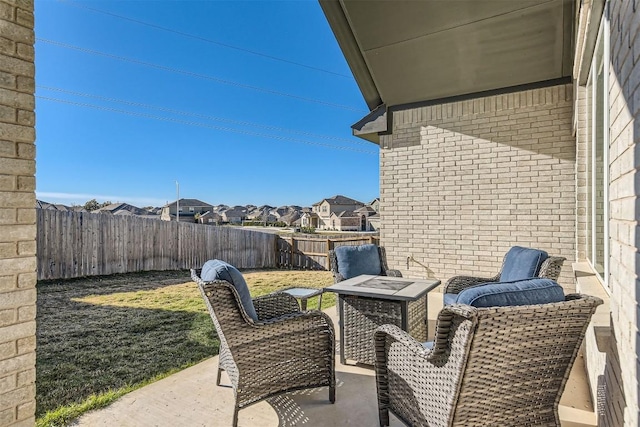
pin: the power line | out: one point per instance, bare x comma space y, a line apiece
202, 116
204, 39
204, 125
198, 75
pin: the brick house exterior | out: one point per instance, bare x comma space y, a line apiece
471, 168
17, 215
325, 209
464, 177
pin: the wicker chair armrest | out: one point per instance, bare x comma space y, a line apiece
275, 305
457, 284
550, 268
395, 334
277, 333
393, 273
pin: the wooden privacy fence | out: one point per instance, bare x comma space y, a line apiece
313, 252
76, 244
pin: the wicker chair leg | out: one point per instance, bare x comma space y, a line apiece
235, 416
219, 374
383, 415
332, 394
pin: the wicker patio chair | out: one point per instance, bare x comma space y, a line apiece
338, 276
498, 366
550, 269
284, 350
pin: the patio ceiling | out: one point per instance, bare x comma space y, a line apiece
402, 52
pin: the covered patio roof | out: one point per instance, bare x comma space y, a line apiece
404, 52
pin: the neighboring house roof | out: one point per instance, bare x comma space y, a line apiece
339, 200
291, 217
123, 209
220, 208
210, 214
345, 214
236, 211
367, 210
186, 203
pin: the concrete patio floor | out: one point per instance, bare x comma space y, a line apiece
191, 398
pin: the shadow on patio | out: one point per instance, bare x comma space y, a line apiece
191, 398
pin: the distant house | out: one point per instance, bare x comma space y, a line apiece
188, 209
333, 205
345, 221
209, 218
58, 207
291, 218
124, 209
366, 214
234, 215
375, 204
308, 218
262, 214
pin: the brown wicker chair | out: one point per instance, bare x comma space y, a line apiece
499, 366
385, 270
550, 269
286, 349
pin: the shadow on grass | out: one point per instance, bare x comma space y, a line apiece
86, 349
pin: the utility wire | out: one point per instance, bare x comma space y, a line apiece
204, 125
204, 39
192, 74
202, 116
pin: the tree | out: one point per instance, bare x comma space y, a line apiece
91, 205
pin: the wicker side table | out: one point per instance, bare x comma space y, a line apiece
364, 304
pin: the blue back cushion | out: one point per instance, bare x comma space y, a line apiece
219, 270
522, 263
522, 292
356, 260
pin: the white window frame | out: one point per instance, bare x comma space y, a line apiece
603, 37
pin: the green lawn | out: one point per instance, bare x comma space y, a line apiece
101, 337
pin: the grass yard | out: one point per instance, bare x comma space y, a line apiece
101, 337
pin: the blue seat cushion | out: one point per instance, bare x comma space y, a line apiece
449, 299
356, 260
522, 292
219, 270
522, 263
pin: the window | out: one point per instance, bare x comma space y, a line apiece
191, 209
598, 156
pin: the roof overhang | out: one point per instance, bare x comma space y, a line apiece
406, 52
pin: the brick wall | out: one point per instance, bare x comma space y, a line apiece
17, 215
624, 189
462, 182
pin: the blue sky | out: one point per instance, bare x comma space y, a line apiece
240, 102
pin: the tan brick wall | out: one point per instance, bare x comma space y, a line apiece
462, 182
624, 189
17, 215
